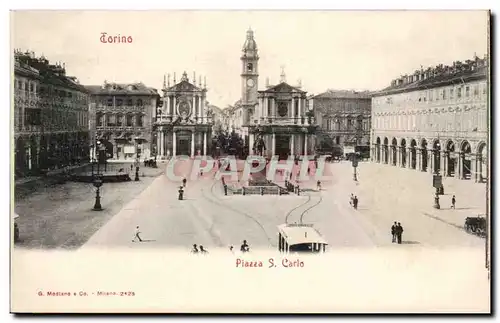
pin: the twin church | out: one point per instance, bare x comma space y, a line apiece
275, 121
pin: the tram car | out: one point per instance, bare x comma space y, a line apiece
476, 224
300, 238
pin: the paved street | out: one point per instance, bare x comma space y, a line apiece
60, 216
209, 218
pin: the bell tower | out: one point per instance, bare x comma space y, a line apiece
249, 71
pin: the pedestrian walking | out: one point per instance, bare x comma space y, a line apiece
453, 201
131, 167
351, 201
137, 235
202, 250
399, 232
231, 249
393, 231
355, 202
244, 247
195, 249
184, 180
318, 185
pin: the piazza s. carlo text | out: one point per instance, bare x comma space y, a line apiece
269, 263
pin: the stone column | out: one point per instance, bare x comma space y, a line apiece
192, 143
158, 142
273, 108
204, 143
251, 139
174, 106
174, 143
300, 107
430, 161
458, 166
293, 109
442, 163
292, 144
264, 107
408, 158
202, 110
419, 161
305, 144
273, 144
167, 108
195, 112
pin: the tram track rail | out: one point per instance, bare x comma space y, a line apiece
218, 202
304, 212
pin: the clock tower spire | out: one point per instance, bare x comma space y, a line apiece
249, 71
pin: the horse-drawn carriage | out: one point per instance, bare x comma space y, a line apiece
476, 225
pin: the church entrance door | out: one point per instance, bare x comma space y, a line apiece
282, 146
183, 143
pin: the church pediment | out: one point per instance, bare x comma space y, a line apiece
184, 86
283, 88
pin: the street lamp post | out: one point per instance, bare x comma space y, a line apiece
354, 166
97, 179
137, 159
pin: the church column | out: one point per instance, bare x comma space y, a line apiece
202, 109
293, 108
251, 137
305, 144
204, 143
300, 107
193, 105
266, 102
192, 143
167, 108
174, 144
174, 106
292, 144
260, 107
274, 144
273, 108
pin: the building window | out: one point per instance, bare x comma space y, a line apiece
119, 102
32, 88
111, 120
130, 120
431, 95
459, 92
444, 94
437, 95
119, 120
485, 86
129, 102
467, 91
250, 67
139, 102
110, 102
451, 93
139, 121
476, 90
337, 140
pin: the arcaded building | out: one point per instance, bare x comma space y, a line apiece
50, 116
183, 123
435, 120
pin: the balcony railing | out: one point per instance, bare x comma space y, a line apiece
301, 121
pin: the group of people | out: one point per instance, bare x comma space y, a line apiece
354, 201
397, 232
200, 250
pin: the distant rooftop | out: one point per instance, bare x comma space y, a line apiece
343, 94
440, 75
28, 64
121, 89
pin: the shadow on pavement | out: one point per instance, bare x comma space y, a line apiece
410, 242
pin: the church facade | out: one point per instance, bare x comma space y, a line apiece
277, 120
183, 124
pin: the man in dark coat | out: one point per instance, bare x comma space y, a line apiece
393, 232
399, 232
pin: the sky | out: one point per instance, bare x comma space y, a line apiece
343, 50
